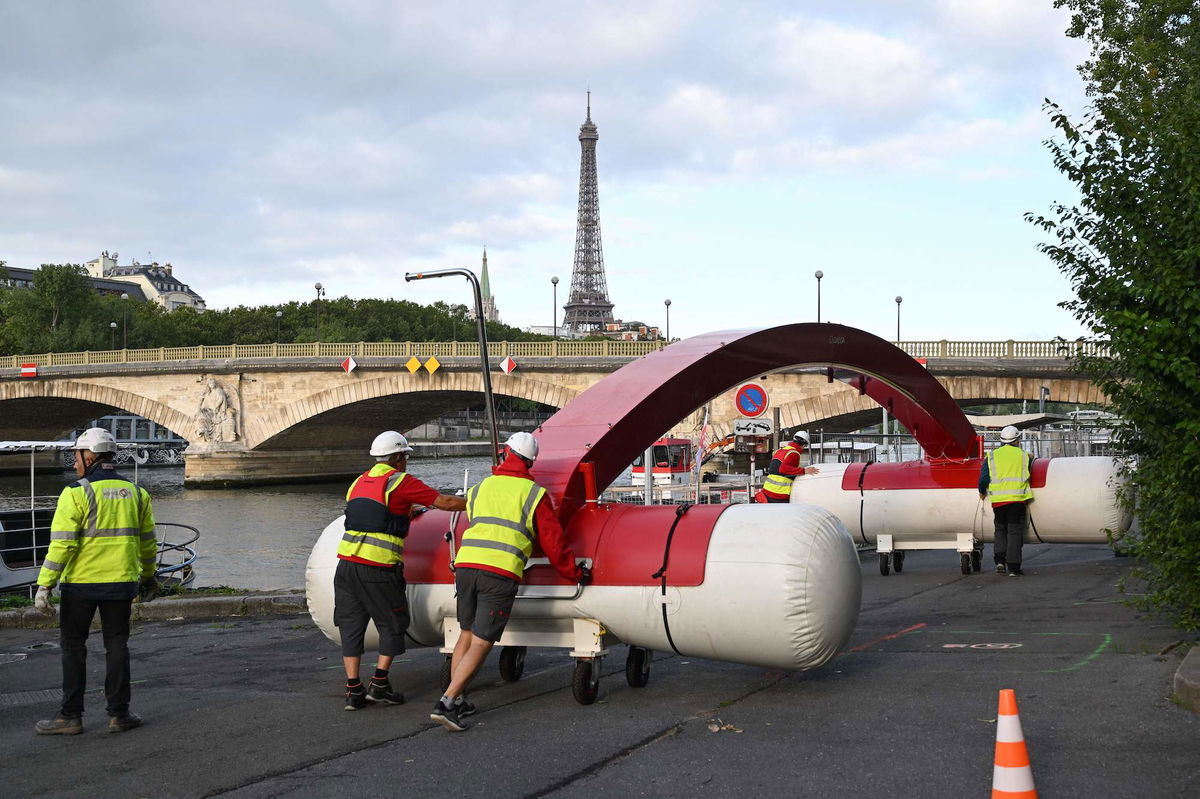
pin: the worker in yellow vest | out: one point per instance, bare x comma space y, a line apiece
784, 469
508, 512
368, 584
1004, 478
102, 546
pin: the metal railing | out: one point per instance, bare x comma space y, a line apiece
500, 349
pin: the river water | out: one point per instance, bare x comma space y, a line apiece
253, 538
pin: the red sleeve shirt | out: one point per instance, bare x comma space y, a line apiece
552, 540
789, 464
410, 491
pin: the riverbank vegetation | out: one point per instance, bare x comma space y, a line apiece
62, 313
1131, 249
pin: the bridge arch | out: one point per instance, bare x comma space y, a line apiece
850, 410
350, 415
44, 409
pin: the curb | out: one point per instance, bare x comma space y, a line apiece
1187, 681
166, 609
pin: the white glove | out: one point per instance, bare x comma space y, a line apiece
42, 600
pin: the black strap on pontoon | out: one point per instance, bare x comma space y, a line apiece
862, 501
661, 574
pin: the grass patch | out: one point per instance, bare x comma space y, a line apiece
216, 590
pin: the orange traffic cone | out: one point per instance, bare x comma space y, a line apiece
1012, 777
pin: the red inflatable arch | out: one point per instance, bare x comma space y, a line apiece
619, 417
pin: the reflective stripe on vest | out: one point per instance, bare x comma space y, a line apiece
103, 542
501, 533
372, 531
1008, 475
781, 484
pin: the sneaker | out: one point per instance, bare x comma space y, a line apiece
124, 722
1015, 571
464, 708
1001, 568
60, 726
382, 692
356, 698
447, 717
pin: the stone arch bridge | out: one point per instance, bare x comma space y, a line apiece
267, 413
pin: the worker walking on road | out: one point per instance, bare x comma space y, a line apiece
1004, 477
508, 512
102, 546
784, 469
368, 584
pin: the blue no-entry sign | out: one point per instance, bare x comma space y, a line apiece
751, 400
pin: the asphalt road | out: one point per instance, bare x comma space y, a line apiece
253, 708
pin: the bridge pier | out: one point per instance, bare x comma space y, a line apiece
227, 468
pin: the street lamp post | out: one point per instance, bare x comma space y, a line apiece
112, 335
818, 275
668, 304
899, 300
278, 325
124, 321
554, 305
320, 293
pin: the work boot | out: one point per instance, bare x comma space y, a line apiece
124, 722
464, 708
447, 717
1000, 568
382, 692
356, 698
60, 725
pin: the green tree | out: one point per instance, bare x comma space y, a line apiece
1131, 249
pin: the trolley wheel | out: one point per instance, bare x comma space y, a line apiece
637, 667
445, 675
976, 559
965, 562
898, 561
512, 663
585, 682
885, 563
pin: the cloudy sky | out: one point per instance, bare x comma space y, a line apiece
263, 146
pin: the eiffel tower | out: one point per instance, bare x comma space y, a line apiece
588, 308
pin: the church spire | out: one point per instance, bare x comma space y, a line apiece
485, 285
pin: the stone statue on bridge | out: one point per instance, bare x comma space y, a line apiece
216, 419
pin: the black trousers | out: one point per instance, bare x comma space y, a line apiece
74, 618
363, 593
1011, 522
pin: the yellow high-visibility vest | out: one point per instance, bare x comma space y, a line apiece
372, 531
781, 484
102, 532
1008, 474
501, 533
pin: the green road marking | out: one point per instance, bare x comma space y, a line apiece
1076, 666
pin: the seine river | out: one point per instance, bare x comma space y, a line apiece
255, 538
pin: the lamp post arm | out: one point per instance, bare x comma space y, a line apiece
485, 365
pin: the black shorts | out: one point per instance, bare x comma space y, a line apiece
363, 593
485, 601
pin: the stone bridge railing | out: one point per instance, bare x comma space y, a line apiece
518, 349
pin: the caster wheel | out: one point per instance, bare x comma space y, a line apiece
512, 663
976, 560
637, 667
885, 564
585, 682
445, 674
898, 562
965, 563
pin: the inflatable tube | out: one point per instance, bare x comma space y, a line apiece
1075, 500
780, 588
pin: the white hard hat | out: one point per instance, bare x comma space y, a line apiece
389, 443
1009, 434
802, 435
96, 439
524, 444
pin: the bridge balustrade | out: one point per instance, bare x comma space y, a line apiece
517, 349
